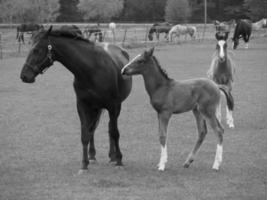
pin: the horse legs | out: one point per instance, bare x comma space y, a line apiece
163, 119
229, 117
219, 110
246, 40
202, 131
217, 128
89, 118
114, 135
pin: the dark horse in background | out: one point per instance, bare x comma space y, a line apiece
243, 30
158, 28
95, 30
98, 83
27, 28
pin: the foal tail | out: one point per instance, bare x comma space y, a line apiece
228, 95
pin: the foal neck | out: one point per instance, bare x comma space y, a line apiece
155, 77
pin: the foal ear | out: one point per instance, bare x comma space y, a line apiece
149, 52
226, 36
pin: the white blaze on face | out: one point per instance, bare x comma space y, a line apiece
221, 52
122, 70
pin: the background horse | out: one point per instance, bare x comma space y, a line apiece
158, 28
179, 30
168, 97
95, 30
221, 72
29, 28
224, 26
242, 30
259, 24
98, 83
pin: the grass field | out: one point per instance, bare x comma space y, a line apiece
40, 149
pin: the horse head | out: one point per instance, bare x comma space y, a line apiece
221, 46
40, 57
138, 64
221, 35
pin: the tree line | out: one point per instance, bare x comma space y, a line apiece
176, 11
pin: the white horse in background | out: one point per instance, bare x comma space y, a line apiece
112, 28
259, 24
179, 30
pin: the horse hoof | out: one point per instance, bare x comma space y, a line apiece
92, 161
119, 167
186, 165
82, 171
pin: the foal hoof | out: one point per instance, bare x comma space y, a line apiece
82, 171
187, 163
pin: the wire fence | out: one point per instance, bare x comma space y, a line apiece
125, 35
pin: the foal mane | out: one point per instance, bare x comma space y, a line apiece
163, 71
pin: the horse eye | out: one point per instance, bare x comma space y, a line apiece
140, 61
36, 51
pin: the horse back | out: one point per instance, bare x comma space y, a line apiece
243, 27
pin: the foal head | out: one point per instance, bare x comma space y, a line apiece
139, 64
221, 46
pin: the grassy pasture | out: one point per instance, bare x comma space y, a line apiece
40, 149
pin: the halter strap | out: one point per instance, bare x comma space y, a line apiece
49, 57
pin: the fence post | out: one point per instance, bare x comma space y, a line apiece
1, 48
124, 36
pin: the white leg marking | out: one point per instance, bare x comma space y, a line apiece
218, 157
246, 46
163, 158
229, 118
219, 112
122, 70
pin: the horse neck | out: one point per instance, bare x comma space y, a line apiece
70, 55
154, 78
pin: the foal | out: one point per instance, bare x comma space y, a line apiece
221, 72
168, 97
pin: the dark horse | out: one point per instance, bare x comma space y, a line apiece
243, 30
158, 28
95, 30
29, 28
168, 96
98, 83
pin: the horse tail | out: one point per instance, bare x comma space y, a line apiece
228, 95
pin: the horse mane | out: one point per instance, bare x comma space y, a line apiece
163, 71
71, 32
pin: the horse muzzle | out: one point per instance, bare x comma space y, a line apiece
27, 79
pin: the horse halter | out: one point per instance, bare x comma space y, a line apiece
49, 57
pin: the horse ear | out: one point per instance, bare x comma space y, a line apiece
217, 36
226, 36
149, 52
49, 30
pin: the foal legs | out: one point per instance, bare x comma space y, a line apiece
216, 126
163, 119
229, 118
202, 131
